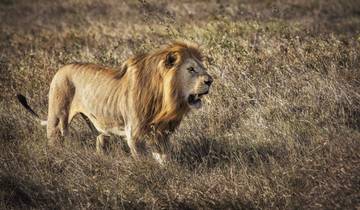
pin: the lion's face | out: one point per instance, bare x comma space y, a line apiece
195, 81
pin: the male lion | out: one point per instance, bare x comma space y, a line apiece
144, 101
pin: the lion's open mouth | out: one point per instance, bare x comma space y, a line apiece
194, 100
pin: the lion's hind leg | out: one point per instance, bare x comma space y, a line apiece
57, 127
60, 97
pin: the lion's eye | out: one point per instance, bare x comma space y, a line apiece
191, 69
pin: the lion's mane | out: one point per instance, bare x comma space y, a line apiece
156, 87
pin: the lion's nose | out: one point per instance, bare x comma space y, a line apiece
208, 80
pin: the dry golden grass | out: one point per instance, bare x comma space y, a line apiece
280, 129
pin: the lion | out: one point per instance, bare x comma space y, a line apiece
144, 101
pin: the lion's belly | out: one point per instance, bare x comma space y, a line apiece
108, 126
119, 131
105, 121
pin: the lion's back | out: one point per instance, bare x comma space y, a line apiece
86, 73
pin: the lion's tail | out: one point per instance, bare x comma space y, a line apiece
23, 101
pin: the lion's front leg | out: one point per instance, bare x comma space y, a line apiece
161, 158
135, 142
161, 149
102, 144
137, 147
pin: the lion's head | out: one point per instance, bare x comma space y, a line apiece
169, 82
183, 63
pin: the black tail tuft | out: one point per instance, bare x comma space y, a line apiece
23, 101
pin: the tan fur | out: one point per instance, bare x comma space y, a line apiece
144, 101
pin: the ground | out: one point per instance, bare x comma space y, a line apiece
279, 130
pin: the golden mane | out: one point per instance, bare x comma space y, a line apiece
156, 89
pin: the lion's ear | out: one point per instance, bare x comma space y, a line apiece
170, 60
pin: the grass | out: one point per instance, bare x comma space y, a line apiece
280, 129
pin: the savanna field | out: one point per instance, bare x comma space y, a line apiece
280, 128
